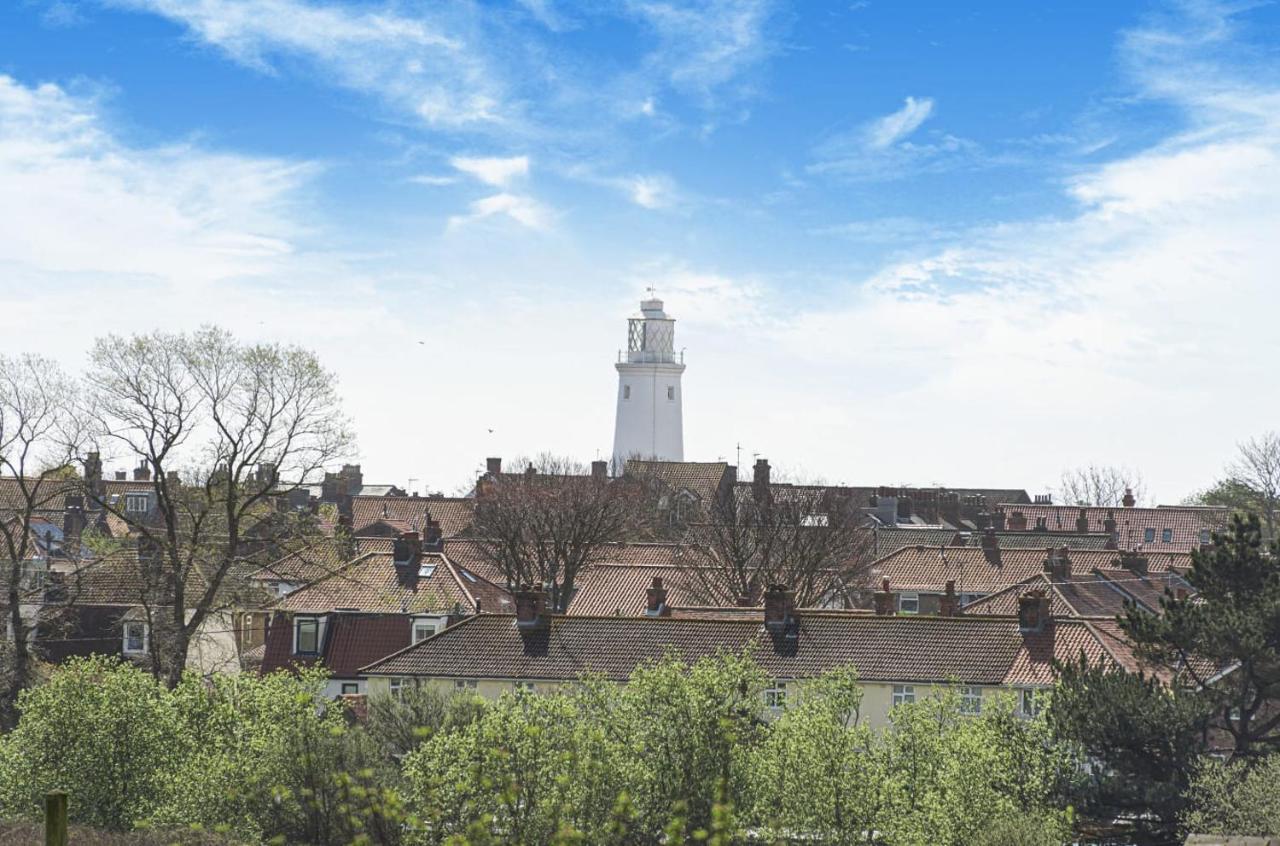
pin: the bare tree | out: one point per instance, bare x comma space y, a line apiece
1257, 470
1101, 485
809, 538
224, 431
549, 523
39, 438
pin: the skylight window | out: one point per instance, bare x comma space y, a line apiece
425, 571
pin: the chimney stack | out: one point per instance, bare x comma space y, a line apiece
884, 600
779, 605
407, 548
997, 520
531, 608
982, 520
989, 539
493, 466
949, 603
1017, 522
433, 537
1135, 562
142, 473
1057, 564
1033, 611
656, 599
1082, 522
600, 470
1129, 501
121, 476
760, 480
73, 524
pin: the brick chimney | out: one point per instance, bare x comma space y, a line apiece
1082, 522
1134, 562
1057, 564
884, 600
949, 603
121, 476
73, 524
93, 476
142, 473
600, 470
1128, 501
1033, 611
655, 599
531, 608
989, 539
997, 520
407, 548
493, 466
760, 480
982, 520
1017, 522
1042, 524
433, 536
779, 608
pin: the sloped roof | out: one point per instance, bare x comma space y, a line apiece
983, 650
1040, 540
886, 540
703, 478
350, 642
1185, 522
452, 513
1100, 593
977, 570
303, 566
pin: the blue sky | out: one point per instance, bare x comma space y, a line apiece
966, 244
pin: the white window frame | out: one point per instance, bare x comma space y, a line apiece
436, 625
775, 696
971, 700
904, 598
1030, 701
461, 685
131, 498
344, 685
526, 686
1166, 536
904, 694
395, 687
124, 637
1149, 535
297, 626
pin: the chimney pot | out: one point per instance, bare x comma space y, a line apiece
600, 470
949, 603
1033, 611
531, 608
407, 548
493, 466
1129, 501
433, 538
142, 473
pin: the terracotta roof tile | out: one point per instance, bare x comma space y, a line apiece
984, 650
703, 478
453, 514
1184, 524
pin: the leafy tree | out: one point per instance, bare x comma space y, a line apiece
1236, 798
99, 729
224, 430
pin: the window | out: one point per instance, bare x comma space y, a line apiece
463, 685
426, 571
1030, 702
306, 636
903, 694
425, 627
526, 686
135, 638
971, 700
396, 687
909, 603
350, 688
1205, 536
1148, 535
966, 598
626, 392
671, 392
1166, 535
775, 697
136, 503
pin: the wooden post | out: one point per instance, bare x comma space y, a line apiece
55, 818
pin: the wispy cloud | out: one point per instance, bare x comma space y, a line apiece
890, 129
430, 67
705, 44
525, 211
78, 200
496, 171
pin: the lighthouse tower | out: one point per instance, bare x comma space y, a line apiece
649, 422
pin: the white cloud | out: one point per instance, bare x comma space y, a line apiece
428, 66
498, 172
704, 45
526, 211
890, 129
74, 199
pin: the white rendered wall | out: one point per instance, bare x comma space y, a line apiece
648, 424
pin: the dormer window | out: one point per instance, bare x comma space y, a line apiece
134, 641
425, 627
1166, 535
137, 503
908, 603
1148, 535
306, 636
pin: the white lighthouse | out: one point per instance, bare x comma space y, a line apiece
649, 422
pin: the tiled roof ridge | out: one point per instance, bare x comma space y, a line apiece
1118, 509
341, 571
319, 544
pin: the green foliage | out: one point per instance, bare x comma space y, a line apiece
99, 729
1237, 798
1022, 831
